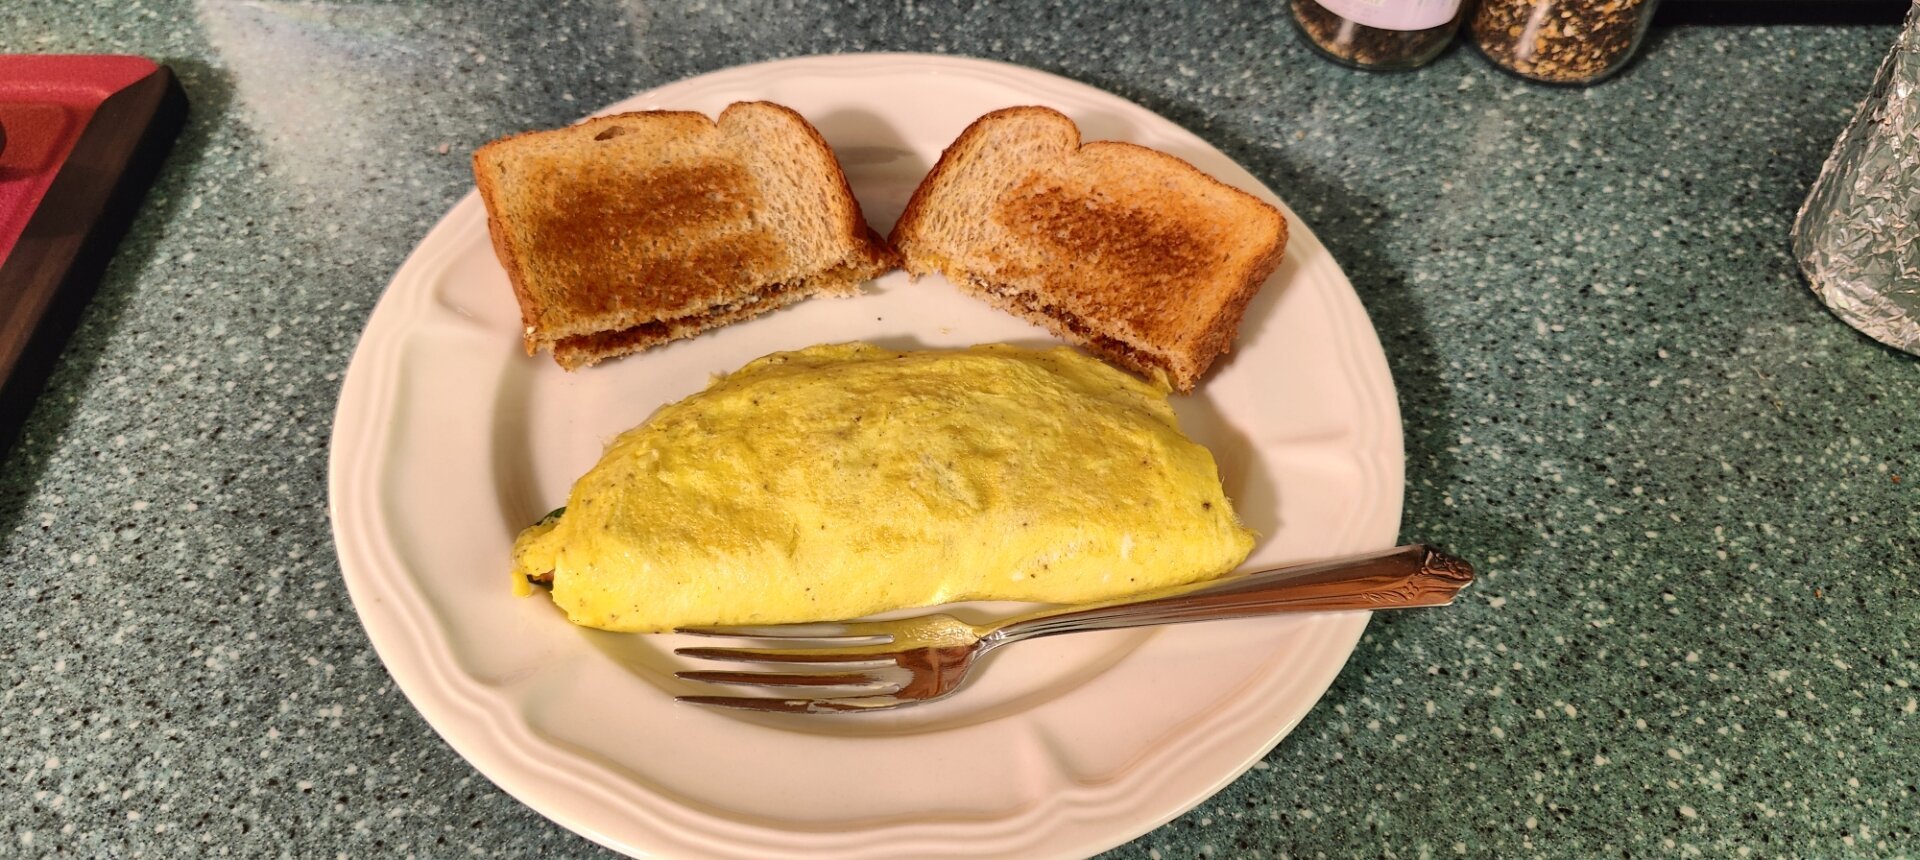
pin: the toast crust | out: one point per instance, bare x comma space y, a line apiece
1128, 251
687, 215
844, 281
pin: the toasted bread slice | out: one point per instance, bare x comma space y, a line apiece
630, 230
1128, 251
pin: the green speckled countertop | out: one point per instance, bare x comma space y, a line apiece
1698, 631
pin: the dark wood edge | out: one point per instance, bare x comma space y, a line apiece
56, 265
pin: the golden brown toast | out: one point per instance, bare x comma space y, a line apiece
1128, 251
630, 230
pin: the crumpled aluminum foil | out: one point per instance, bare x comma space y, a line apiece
1858, 233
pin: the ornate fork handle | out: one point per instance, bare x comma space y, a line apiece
1401, 578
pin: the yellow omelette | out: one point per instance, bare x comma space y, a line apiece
839, 481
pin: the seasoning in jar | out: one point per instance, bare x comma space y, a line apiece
1378, 34
1561, 41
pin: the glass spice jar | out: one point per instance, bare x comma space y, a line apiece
1378, 34
1561, 41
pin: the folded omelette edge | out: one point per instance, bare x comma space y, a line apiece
843, 480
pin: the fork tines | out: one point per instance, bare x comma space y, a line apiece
850, 704
783, 679
842, 630
864, 684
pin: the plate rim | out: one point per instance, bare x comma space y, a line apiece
373, 603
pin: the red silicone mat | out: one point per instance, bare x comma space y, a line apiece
45, 102
81, 137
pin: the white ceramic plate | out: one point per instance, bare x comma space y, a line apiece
448, 440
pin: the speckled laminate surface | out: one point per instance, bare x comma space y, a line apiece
1689, 487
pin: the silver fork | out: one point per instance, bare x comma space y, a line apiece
880, 665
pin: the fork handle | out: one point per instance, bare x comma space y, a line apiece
1401, 578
